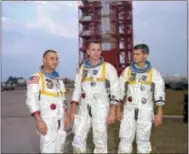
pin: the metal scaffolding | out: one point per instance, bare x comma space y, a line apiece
111, 23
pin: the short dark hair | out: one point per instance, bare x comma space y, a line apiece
93, 41
144, 48
48, 51
45, 53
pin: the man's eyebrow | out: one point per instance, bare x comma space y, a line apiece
54, 57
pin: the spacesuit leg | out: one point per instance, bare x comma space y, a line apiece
100, 137
48, 142
99, 127
61, 137
127, 132
144, 125
81, 128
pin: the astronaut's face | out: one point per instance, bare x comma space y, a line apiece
94, 51
139, 56
51, 60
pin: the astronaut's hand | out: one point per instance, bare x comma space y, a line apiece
72, 114
111, 115
73, 111
66, 120
158, 119
111, 118
42, 127
118, 114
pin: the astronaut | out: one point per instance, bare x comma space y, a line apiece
141, 86
96, 106
46, 102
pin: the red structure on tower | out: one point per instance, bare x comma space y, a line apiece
111, 23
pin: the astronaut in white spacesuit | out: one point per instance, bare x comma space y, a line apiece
96, 94
141, 86
46, 102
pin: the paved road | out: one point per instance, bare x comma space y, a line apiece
18, 127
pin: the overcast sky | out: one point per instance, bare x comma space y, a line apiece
29, 28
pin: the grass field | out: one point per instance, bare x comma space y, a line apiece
174, 102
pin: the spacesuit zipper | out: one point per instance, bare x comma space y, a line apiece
136, 114
89, 110
138, 102
58, 124
39, 97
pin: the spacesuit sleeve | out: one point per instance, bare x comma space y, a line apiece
122, 83
77, 87
32, 94
114, 84
64, 100
159, 89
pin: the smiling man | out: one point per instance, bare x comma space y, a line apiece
96, 105
46, 102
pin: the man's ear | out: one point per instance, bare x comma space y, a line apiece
88, 51
44, 60
145, 55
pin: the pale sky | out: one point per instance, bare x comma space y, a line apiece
30, 28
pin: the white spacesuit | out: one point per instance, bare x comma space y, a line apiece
139, 89
91, 86
46, 95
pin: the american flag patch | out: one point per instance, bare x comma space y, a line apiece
33, 80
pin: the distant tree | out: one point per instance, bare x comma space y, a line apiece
13, 80
67, 80
9, 78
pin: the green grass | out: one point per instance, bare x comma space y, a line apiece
174, 102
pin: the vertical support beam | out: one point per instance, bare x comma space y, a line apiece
112, 56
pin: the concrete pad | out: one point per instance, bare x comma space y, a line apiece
18, 127
19, 135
